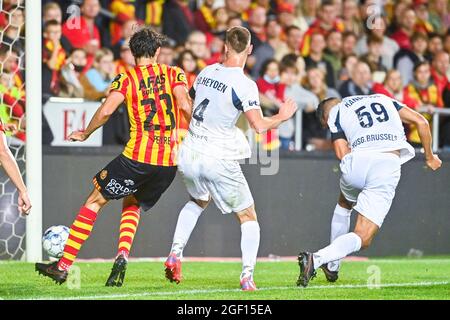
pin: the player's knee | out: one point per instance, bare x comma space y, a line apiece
366, 238
201, 203
247, 215
96, 199
344, 203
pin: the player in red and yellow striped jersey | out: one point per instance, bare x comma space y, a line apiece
155, 96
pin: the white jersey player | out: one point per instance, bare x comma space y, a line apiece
208, 157
369, 139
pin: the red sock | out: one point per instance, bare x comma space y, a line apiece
128, 228
79, 232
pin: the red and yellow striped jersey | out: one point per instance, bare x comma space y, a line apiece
153, 113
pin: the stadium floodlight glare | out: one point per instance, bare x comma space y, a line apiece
33, 53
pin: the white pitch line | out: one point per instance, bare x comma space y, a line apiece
192, 292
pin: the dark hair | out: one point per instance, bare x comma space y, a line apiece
181, 57
145, 42
326, 3
289, 59
347, 34
290, 28
373, 38
419, 35
51, 23
265, 66
238, 38
321, 107
419, 64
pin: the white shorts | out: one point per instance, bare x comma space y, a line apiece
370, 179
222, 180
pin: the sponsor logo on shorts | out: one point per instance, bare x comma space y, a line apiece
129, 182
116, 188
103, 174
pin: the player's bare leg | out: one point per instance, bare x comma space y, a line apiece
340, 225
186, 223
360, 238
249, 246
128, 227
79, 232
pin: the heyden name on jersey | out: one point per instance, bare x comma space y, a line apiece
370, 124
221, 95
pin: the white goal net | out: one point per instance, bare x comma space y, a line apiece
12, 110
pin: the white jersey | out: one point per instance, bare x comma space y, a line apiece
370, 123
221, 95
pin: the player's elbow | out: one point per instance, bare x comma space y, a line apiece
422, 122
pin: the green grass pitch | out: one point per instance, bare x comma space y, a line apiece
427, 278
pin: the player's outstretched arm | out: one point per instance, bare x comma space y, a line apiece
410, 116
100, 117
260, 124
183, 101
12, 170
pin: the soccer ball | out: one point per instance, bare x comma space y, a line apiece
54, 240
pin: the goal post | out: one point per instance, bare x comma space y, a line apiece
33, 58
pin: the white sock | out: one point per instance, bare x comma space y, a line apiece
186, 223
340, 225
249, 247
338, 249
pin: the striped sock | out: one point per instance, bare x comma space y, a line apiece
79, 232
128, 227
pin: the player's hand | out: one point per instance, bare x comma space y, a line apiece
434, 162
287, 109
24, 203
11, 127
78, 136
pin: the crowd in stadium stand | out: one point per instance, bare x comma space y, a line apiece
302, 49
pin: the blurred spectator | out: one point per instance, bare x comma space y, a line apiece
389, 46
197, 43
221, 20
435, 44
166, 54
305, 99
348, 63
234, 21
405, 59
315, 58
439, 69
204, 17
70, 86
309, 10
292, 44
422, 92
96, 82
188, 63
392, 85
406, 29
126, 60
373, 58
267, 49
271, 95
177, 11
12, 105
326, 21
314, 136
238, 8
351, 19
127, 30
257, 26
9, 61
123, 11
360, 82
51, 11
348, 43
333, 52
286, 15
439, 15
422, 24
53, 58
13, 34
86, 35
